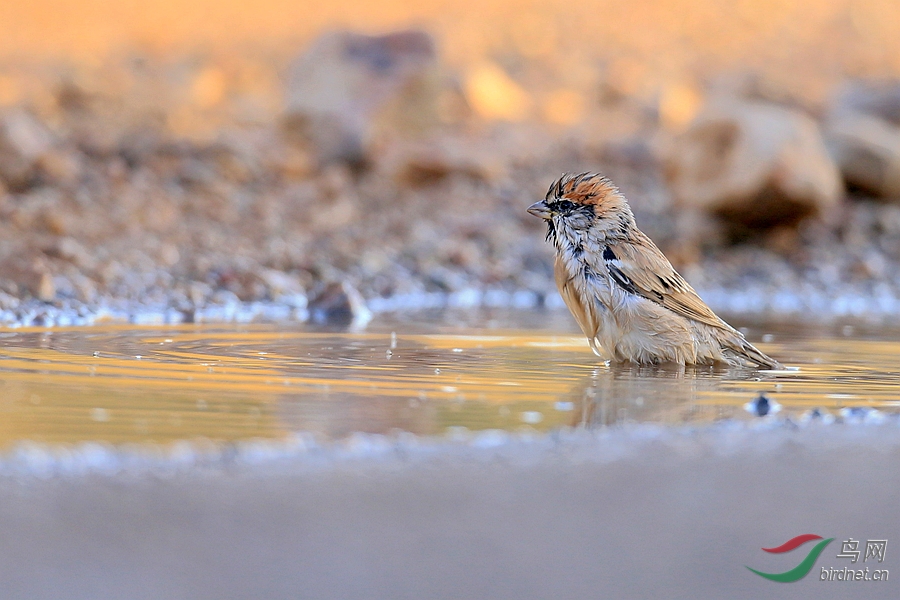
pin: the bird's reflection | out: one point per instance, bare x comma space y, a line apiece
627, 392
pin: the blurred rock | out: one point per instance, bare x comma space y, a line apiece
85, 287
876, 98
31, 274
348, 89
339, 303
59, 167
679, 103
198, 292
284, 288
245, 283
8, 302
23, 142
863, 134
753, 165
867, 150
423, 163
493, 94
71, 250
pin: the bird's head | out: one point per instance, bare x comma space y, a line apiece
584, 204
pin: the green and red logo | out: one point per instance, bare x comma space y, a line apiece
805, 566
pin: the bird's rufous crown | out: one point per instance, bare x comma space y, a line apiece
583, 188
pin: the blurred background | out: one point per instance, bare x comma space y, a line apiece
202, 153
200, 160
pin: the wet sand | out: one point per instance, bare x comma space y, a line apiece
617, 513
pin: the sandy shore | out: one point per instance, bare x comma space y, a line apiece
618, 513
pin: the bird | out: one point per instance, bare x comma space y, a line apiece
629, 301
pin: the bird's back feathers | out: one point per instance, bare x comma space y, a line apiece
652, 276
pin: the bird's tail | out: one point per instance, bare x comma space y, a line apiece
748, 351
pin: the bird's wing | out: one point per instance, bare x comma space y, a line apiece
639, 267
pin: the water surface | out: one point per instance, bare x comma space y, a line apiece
426, 375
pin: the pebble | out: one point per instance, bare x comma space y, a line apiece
762, 405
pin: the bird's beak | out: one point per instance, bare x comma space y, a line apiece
540, 209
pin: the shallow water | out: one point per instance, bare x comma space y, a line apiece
431, 374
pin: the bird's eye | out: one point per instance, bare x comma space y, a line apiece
565, 206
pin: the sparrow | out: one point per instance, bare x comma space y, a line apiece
624, 293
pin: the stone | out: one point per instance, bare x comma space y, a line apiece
348, 90
422, 163
31, 274
24, 140
867, 150
339, 304
72, 250
46, 287
863, 135
8, 301
58, 167
753, 166
283, 287
879, 99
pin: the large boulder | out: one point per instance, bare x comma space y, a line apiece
863, 135
349, 89
753, 165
